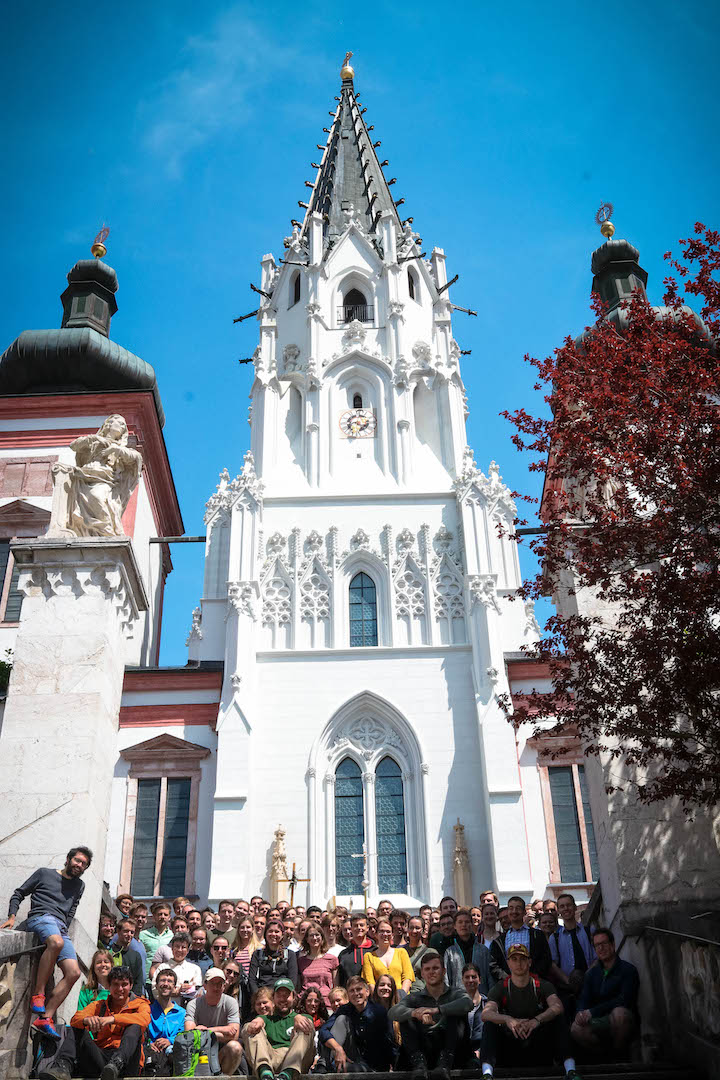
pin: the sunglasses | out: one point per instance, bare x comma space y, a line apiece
221, 948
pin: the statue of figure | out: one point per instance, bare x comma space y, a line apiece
278, 871
461, 867
90, 497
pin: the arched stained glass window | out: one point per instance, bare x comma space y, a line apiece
390, 826
349, 828
363, 611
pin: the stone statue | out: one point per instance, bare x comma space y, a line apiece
278, 871
461, 868
90, 497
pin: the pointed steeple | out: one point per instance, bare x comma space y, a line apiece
350, 175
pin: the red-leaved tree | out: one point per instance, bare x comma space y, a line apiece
630, 546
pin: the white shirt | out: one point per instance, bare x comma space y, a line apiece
186, 972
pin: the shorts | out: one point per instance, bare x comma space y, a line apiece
46, 925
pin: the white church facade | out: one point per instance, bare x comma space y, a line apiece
358, 622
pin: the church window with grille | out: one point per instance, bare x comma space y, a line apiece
161, 836
349, 828
363, 611
390, 828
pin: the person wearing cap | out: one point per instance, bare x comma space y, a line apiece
523, 1020
217, 1011
282, 1044
433, 1022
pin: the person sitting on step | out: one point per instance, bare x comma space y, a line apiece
167, 1021
109, 1034
433, 1021
523, 1020
358, 1037
281, 1044
607, 1006
216, 1011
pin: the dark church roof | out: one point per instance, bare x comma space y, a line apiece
80, 355
350, 172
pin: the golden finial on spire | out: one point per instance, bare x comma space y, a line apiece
602, 218
346, 72
98, 248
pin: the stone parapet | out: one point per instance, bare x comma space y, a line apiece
18, 961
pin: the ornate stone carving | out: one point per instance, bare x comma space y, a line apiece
291, 358
368, 736
402, 372
422, 353
483, 591
277, 601
242, 596
196, 628
493, 675
396, 309
448, 590
442, 540
461, 867
230, 491
313, 309
313, 542
236, 681
405, 542
278, 869
410, 592
100, 579
489, 490
90, 497
424, 768
276, 545
360, 541
315, 597
355, 334
532, 626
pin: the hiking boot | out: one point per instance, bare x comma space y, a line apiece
418, 1064
441, 1071
114, 1068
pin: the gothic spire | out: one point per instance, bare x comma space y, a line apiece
350, 174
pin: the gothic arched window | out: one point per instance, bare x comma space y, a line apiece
349, 828
412, 285
390, 828
357, 401
295, 286
355, 306
363, 611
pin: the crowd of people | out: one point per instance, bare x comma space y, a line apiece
279, 991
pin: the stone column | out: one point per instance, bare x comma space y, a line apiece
58, 741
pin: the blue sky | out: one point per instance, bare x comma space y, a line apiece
189, 129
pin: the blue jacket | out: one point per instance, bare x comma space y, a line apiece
602, 991
372, 1033
165, 1025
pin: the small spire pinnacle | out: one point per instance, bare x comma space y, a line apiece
98, 248
347, 73
602, 218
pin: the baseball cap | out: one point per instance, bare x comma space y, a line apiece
286, 983
214, 973
519, 950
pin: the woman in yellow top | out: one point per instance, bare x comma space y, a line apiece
386, 960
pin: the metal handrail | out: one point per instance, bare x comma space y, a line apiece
678, 933
362, 312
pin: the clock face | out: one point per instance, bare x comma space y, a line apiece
358, 424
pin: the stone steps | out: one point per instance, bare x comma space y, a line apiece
624, 1070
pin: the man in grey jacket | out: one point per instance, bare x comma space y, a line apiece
433, 1021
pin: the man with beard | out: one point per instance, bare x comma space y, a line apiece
55, 897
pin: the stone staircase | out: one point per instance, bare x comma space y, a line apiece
617, 1071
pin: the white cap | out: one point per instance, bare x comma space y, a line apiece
214, 973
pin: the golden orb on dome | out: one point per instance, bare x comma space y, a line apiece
346, 71
98, 248
607, 229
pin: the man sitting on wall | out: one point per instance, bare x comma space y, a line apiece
607, 1006
55, 897
433, 1021
523, 1021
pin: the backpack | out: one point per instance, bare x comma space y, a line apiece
506, 991
47, 1050
189, 1047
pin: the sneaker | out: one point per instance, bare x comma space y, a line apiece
37, 1004
419, 1067
46, 1026
59, 1071
572, 1074
266, 1073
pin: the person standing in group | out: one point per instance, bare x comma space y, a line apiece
97, 986
316, 966
388, 960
